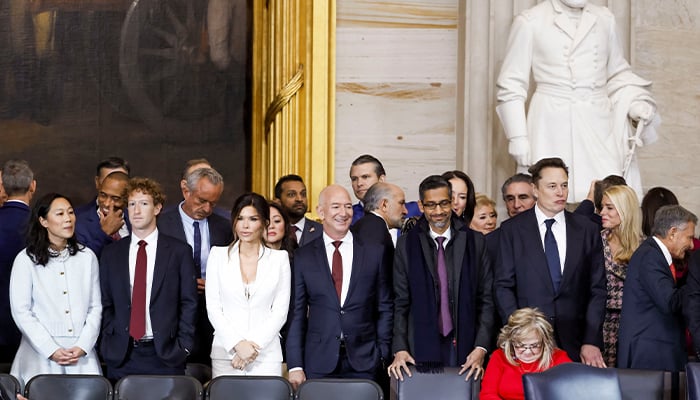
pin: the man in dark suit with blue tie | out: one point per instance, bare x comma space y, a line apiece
652, 329
342, 309
443, 283
149, 294
195, 223
552, 259
290, 191
19, 184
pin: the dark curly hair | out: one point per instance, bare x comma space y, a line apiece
38, 237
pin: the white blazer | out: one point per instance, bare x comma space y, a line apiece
257, 317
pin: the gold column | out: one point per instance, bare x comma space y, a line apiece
293, 93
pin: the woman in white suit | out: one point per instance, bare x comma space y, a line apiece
55, 296
248, 291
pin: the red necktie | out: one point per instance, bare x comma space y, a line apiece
673, 272
337, 269
137, 324
295, 229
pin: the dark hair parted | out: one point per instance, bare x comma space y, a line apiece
370, 159
259, 203
654, 199
283, 180
289, 242
112, 163
434, 182
38, 244
519, 177
146, 186
471, 195
553, 162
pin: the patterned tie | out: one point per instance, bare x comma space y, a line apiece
551, 251
137, 323
337, 269
445, 317
295, 229
197, 254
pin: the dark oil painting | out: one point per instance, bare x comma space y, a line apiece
157, 82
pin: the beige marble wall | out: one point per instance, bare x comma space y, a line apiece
415, 87
396, 79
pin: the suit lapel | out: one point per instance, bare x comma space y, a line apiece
358, 253
562, 21
123, 277
588, 20
160, 267
428, 247
325, 270
530, 231
574, 248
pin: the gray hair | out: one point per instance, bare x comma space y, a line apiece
672, 216
210, 173
17, 177
375, 194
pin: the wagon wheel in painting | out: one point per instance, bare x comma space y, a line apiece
165, 66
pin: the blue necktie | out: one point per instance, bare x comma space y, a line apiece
551, 251
197, 255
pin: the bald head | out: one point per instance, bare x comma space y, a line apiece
335, 210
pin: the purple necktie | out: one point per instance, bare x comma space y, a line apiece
445, 319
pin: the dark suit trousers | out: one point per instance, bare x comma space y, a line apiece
344, 370
448, 352
142, 360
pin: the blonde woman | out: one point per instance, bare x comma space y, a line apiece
248, 291
622, 233
485, 215
525, 345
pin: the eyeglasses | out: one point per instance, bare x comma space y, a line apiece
443, 205
534, 347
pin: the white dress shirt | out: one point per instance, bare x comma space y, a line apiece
345, 250
558, 229
187, 224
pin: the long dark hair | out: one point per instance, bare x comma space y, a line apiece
258, 203
655, 198
471, 195
38, 237
289, 243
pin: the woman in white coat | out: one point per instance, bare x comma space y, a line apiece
55, 296
248, 291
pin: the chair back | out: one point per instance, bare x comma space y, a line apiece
641, 384
74, 387
9, 386
692, 377
573, 381
249, 388
445, 386
339, 389
201, 372
158, 387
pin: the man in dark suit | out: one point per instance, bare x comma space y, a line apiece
96, 228
341, 320
149, 294
365, 171
385, 204
195, 223
552, 259
443, 283
290, 191
104, 168
652, 330
19, 184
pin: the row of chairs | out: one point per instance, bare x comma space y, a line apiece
568, 381
183, 387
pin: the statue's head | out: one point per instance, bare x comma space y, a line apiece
575, 3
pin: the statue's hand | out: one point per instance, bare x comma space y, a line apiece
641, 110
519, 149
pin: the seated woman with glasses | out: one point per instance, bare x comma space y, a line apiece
526, 344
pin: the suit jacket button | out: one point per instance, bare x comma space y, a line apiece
342, 312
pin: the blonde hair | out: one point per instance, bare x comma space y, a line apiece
629, 232
484, 200
522, 323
